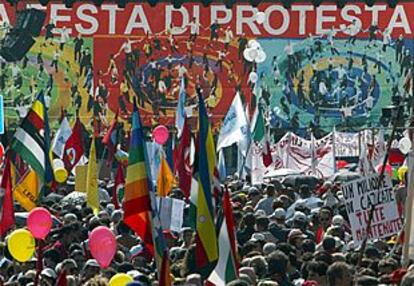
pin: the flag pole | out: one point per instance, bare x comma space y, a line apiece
334, 148
381, 177
39, 261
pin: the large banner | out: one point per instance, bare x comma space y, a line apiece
312, 157
347, 144
360, 196
324, 66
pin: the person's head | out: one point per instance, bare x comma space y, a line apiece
277, 263
254, 195
187, 235
296, 238
339, 274
325, 217
262, 223
299, 220
387, 265
279, 216
116, 216
259, 265
329, 244
90, 269
69, 218
193, 280
69, 266
51, 258
249, 220
408, 279
268, 248
270, 190
316, 270
238, 282
48, 277
249, 271
78, 257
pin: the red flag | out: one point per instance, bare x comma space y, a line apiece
74, 147
6, 201
183, 168
231, 229
110, 139
118, 189
267, 155
61, 280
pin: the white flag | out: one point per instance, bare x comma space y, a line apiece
235, 128
62, 135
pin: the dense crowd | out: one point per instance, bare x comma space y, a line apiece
282, 239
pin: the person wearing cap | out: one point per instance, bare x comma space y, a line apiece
266, 203
300, 221
277, 226
262, 227
246, 228
295, 239
254, 196
78, 256
90, 270
48, 277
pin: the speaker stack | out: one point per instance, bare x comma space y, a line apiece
19, 39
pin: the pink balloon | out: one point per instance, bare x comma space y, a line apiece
39, 222
102, 244
160, 134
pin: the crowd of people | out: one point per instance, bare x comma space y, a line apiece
281, 240
281, 237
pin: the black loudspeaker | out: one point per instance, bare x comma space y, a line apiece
30, 21
15, 45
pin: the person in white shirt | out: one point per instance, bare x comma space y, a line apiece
55, 60
182, 70
353, 30
194, 29
64, 37
220, 60
386, 39
228, 37
323, 90
369, 102
347, 111
330, 37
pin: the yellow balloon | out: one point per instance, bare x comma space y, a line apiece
60, 175
120, 279
401, 172
21, 245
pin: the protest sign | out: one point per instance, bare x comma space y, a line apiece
360, 195
171, 212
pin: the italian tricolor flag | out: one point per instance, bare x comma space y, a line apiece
227, 266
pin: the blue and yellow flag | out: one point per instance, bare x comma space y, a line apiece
206, 238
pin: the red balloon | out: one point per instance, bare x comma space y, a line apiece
39, 222
160, 134
102, 244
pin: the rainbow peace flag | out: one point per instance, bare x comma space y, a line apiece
140, 210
